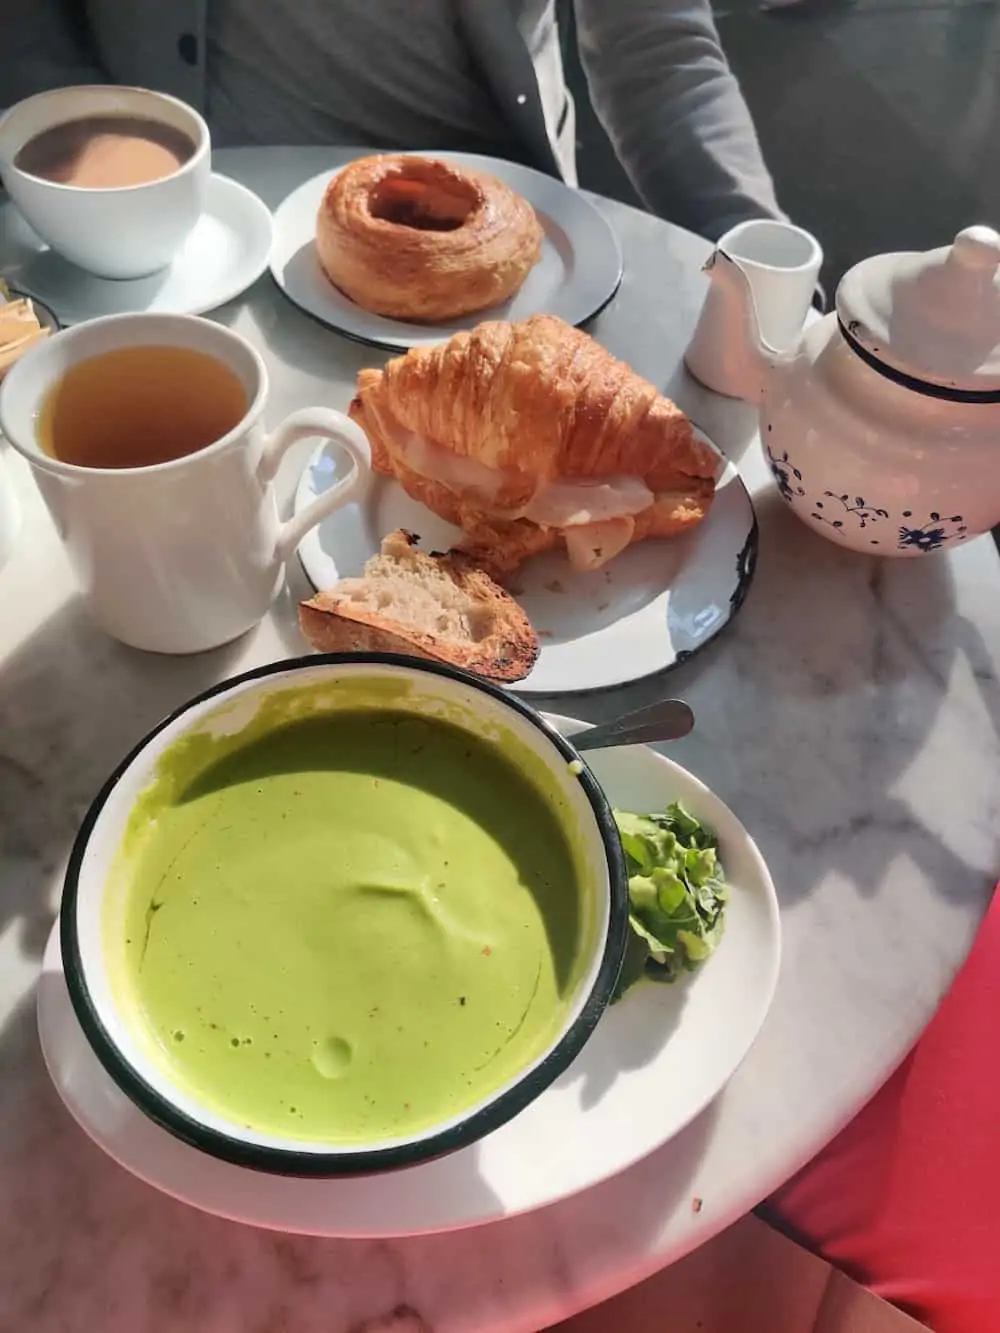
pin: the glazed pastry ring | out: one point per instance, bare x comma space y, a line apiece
417, 239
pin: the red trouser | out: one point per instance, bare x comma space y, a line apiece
907, 1198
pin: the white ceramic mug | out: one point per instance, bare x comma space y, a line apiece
181, 556
782, 264
127, 232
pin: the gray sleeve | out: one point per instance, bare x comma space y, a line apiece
43, 45
665, 94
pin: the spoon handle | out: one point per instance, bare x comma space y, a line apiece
668, 720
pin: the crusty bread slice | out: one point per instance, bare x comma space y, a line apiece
436, 606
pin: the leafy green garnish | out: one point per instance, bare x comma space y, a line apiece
677, 891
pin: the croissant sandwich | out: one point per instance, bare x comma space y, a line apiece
532, 435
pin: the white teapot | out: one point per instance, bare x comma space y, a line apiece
882, 426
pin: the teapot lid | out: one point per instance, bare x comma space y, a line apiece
930, 321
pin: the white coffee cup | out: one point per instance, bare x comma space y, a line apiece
782, 264
127, 232
181, 556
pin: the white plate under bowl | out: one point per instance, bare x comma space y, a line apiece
579, 271
656, 1060
649, 609
227, 252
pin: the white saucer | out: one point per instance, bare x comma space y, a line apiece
649, 609
227, 252
579, 271
655, 1061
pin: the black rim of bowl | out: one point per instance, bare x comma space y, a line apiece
289, 1161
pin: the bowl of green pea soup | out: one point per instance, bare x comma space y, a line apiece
342, 914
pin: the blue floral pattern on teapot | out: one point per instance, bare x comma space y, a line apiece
909, 533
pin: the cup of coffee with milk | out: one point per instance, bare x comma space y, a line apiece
113, 179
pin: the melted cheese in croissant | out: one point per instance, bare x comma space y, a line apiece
555, 504
532, 435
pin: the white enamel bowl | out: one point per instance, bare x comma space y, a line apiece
90, 902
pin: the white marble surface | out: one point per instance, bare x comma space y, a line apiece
850, 717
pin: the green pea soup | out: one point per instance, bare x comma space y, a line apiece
347, 924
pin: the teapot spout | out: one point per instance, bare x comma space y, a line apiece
727, 353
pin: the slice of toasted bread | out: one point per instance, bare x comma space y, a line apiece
436, 606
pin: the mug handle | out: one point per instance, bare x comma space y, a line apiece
301, 425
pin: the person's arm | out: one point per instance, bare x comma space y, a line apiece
43, 45
665, 94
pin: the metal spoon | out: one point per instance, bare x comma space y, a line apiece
668, 720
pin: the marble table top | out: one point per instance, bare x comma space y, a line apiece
850, 717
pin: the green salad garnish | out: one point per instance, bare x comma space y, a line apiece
677, 893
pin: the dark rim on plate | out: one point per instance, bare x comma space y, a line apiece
401, 348
292, 1162
479, 162
51, 319
746, 569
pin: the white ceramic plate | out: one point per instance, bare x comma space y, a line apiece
579, 271
649, 609
227, 252
655, 1061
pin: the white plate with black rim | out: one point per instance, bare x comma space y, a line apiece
655, 1061
579, 271
651, 608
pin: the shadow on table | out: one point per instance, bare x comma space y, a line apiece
855, 661
725, 421
303, 343
285, 610
818, 700
73, 702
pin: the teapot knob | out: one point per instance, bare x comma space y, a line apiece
976, 248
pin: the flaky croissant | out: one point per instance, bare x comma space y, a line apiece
529, 435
